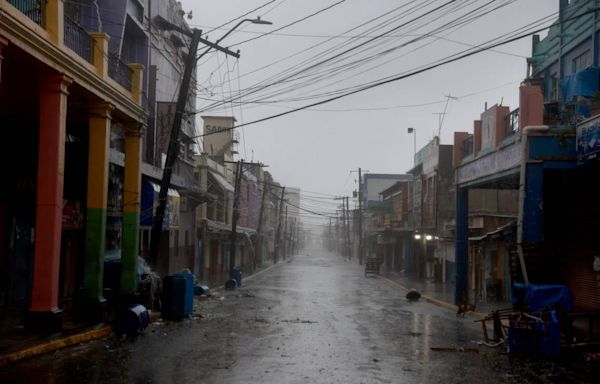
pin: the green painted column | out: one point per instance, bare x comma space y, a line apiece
131, 209
97, 194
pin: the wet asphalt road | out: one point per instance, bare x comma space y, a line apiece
313, 319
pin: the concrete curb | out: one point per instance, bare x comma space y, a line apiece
430, 299
54, 345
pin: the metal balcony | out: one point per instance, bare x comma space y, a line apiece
78, 40
119, 71
34, 9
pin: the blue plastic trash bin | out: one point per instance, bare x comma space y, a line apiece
174, 297
236, 274
189, 293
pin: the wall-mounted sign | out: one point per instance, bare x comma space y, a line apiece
492, 163
588, 139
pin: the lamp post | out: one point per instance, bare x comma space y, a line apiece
173, 148
253, 21
414, 132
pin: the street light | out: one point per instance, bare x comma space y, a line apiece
417, 237
414, 132
428, 237
253, 21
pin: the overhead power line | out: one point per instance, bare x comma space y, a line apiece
290, 24
450, 59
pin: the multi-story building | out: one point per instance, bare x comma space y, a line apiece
71, 98
532, 150
392, 226
432, 215
373, 184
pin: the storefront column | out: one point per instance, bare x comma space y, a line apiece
131, 209
44, 312
97, 196
462, 246
533, 213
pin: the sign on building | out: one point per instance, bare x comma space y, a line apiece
588, 139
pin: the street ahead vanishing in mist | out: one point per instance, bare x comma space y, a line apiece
313, 319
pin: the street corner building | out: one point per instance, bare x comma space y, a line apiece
85, 119
525, 177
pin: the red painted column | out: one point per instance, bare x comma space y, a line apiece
44, 311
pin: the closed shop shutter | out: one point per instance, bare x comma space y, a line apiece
583, 283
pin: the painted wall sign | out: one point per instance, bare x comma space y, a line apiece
588, 139
494, 162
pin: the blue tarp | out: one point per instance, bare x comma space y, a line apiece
537, 298
583, 83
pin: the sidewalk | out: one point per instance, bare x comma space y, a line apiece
17, 344
441, 294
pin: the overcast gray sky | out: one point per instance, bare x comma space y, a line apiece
315, 149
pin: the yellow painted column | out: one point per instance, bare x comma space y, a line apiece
131, 208
55, 20
100, 56
97, 197
137, 81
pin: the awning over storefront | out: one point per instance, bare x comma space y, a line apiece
225, 229
149, 199
495, 233
221, 181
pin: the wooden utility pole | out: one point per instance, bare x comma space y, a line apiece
285, 233
236, 213
294, 239
236, 210
348, 245
360, 214
259, 239
278, 233
330, 234
173, 148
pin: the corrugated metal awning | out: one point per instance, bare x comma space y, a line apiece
223, 183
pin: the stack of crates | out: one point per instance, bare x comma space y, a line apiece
178, 296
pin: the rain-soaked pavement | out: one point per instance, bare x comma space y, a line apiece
313, 319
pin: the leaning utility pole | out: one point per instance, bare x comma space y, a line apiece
278, 233
173, 148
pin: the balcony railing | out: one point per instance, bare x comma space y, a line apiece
119, 71
30, 8
79, 40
